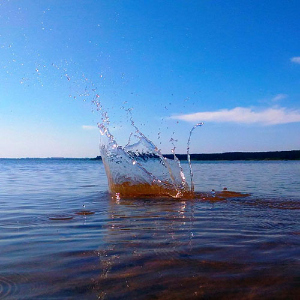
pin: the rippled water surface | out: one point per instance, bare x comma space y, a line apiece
62, 236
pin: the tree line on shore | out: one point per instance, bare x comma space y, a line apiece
270, 155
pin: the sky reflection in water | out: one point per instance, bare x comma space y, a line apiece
145, 248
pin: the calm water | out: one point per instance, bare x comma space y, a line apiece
239, 248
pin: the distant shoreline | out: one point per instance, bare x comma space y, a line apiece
227, 156
269, 155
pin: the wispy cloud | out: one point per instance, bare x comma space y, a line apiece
296, 59
270, 116
279, 97
89, 127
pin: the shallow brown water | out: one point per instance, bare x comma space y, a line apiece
62, 236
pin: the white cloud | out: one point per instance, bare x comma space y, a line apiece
89, 127
270, 116
296, 59
279, 97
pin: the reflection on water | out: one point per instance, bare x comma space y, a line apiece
186, 252
69, 239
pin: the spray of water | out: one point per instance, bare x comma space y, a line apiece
189, 156
140, 169
136, 169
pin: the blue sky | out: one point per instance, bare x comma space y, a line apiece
235, 65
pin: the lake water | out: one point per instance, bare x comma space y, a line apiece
62, 236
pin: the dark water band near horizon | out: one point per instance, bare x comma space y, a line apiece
62, 235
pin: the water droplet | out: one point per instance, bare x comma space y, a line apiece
188, 153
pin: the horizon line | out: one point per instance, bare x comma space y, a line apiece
207, 153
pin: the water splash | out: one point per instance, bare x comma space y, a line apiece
189, 156
140, 169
